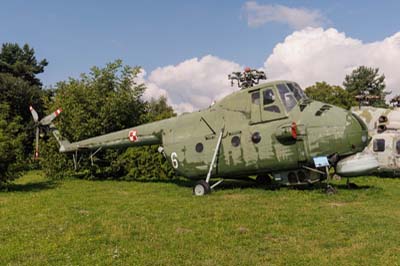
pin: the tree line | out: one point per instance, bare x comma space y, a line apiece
361, 83
104, 100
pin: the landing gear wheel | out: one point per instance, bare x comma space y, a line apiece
201, 188
330, 190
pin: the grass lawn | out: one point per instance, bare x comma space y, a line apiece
76, 222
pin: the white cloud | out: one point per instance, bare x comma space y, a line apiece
192, 84
152, 90
296, 18
314, 54
305, 56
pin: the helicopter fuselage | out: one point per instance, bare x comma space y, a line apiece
272, 128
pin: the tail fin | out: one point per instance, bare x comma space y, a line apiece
64, 143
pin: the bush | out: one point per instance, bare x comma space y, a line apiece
11, 145
105, 100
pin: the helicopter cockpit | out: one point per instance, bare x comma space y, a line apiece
274, 100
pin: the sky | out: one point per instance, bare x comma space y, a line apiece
187, 48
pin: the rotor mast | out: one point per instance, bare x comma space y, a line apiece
248, 78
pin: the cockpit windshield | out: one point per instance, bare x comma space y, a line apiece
297, 91
288, 98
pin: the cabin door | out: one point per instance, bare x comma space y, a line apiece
271, 105
255, 107
266, 105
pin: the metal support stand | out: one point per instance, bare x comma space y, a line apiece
76, 161
74, 157
93, 154
350, 185
329, 189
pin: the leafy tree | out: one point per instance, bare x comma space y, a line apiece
19, 95
158, 109
11, 145
146, 162
21, 62
105, 100
366, 79
19, 88
336, 95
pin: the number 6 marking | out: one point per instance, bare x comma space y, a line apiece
174, 160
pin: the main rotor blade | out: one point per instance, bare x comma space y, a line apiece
48, 119
34, 114
37, 143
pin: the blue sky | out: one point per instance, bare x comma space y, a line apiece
75, 35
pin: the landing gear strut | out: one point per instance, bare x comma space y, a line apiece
203, 187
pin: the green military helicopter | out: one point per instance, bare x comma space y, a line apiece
269, 130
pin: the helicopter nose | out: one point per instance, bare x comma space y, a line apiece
356, 132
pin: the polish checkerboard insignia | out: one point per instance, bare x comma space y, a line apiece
133, 136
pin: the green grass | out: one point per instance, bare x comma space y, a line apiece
77, 222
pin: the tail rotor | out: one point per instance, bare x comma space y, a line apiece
45, 121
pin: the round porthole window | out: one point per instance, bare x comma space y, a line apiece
235, 141
199, 147
256, 137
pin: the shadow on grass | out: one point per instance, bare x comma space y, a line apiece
227, 184
179, 182
30, 187
230, 184
353, 187
323, 185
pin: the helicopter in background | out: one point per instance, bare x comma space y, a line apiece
270, 130
384, 129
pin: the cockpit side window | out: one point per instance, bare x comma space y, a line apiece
297, 91
379, 145
287, 97
303, 94
268, 100
269, 97
255, 97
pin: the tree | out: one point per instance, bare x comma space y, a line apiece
336, 95
105, 100
19, 95
21, 62
146, 162
365, 79
158, 109
19, 88
11, 145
